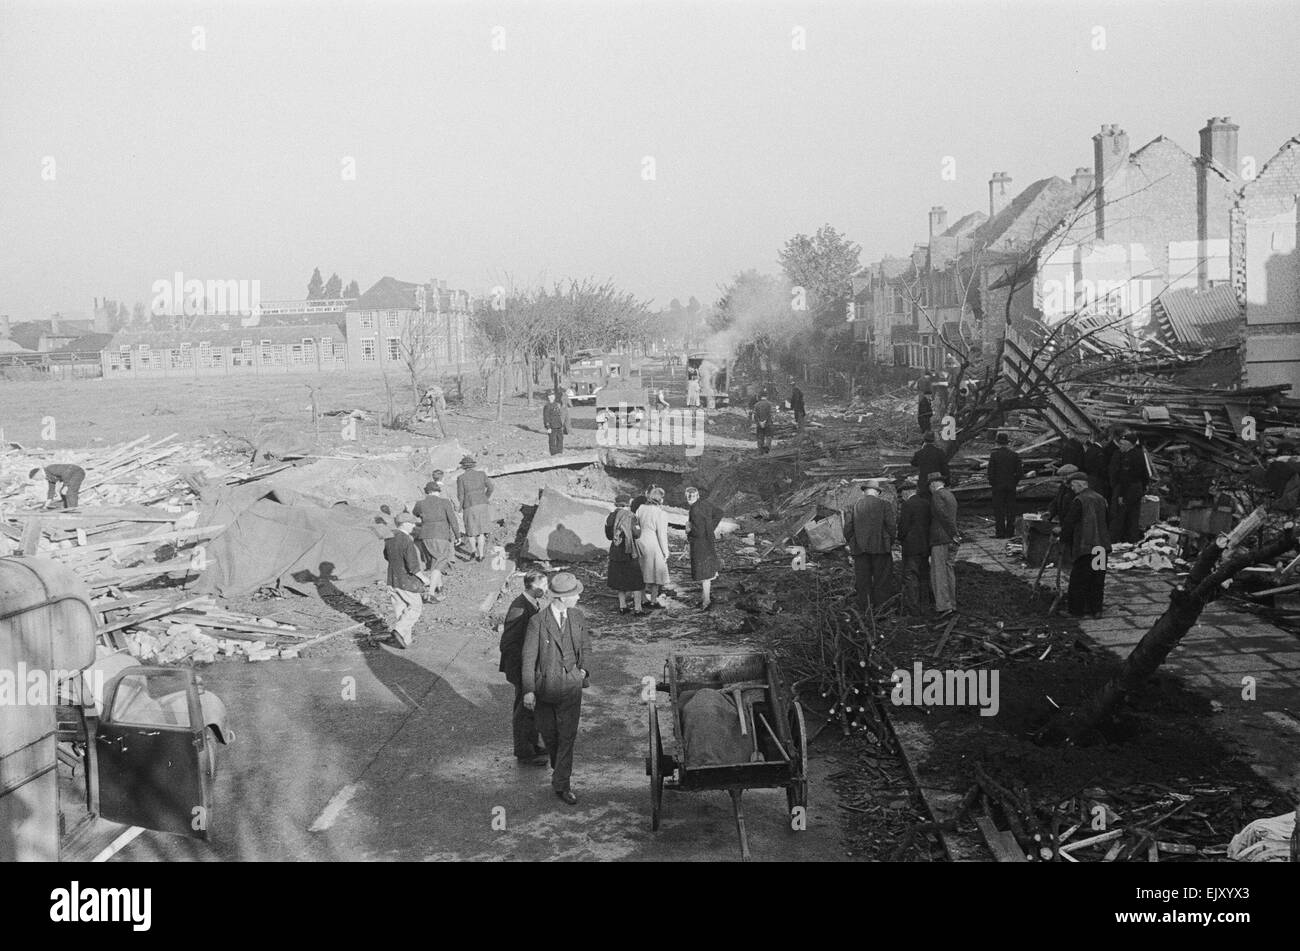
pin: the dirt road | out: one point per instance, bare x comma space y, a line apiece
386, 754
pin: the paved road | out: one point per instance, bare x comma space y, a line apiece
414, 763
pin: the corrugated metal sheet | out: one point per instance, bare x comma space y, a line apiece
1195, 318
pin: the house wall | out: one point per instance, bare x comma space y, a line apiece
375, 338
259, 359
1266, 271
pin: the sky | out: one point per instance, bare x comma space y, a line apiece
663, 145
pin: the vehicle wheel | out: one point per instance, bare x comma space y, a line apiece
796, 794
655, 759
210, 754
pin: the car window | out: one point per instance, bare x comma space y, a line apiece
158, 699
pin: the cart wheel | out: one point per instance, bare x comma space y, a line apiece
796, 794
655, 763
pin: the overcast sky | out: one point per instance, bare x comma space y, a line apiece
474, 163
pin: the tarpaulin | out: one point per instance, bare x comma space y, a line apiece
268, 542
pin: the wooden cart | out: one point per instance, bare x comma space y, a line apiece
778, 732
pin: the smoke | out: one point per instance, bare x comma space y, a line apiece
764, 310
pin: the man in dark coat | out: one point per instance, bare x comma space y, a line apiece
763, 423
914, 538
64, 479
929, 458
1128, 485
702, 518
528, 749
554, 669
1085, 542
1005, 471
1094, 465
556, 423
870, 529
796, 405
1072, 451
438, 532
1060, 504
405, 589
924, 411
1108, 452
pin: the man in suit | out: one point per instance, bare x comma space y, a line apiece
1072, 449
870, 529
797, 405
554, 669
1005, 471
929, 458
556, 422
944, 539
528, 749
763, 423
914, 538
924, 411
1060, 504
404, 585
1108, 453
1128, 485
1085, 542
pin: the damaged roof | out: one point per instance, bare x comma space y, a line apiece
1208, 319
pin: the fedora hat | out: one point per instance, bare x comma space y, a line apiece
564, 583
467, 462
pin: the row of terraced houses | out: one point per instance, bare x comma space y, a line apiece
1152, 247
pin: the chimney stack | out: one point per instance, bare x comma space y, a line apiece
1110, 152
1219, 143
999, 192
1082, 180
54, 325
938, 220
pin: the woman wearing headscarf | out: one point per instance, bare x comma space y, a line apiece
624, 576
652, 545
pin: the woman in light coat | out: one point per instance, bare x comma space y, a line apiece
653, 545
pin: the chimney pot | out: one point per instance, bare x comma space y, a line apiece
1219, 143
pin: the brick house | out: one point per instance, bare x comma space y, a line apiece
1266, 270
393, 316
225, 352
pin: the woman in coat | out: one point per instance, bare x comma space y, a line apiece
624, 576
474, 489
652, 546
702, 522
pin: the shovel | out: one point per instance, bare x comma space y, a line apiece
1056, 601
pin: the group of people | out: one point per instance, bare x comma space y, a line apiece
762, 414
424, 545
924, 527
637, 530
1117, 469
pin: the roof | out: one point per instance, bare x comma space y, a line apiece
172, 339
388, 293
86, 343
28, 333
965, 225
1204, 319
1028, 216
11, 346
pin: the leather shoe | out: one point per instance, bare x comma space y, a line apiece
567, 796
537, 759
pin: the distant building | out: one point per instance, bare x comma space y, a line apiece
394, 318
43, 336
216, 352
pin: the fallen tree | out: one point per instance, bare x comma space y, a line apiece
1205, 582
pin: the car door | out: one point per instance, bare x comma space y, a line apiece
150, 746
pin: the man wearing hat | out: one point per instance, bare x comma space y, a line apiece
869, 529
929, 458
474, 489
438, 531
554, 671
523, 609
914, 539
1128, 484
944, 539
1072, 448
1085, 542
1004, 474
404, 585
763, 422
1064, 495
556, 422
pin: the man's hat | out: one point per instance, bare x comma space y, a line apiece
432, 487
873, 483
935, 476
1067, 470
468, 462
564, 583
405, 518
